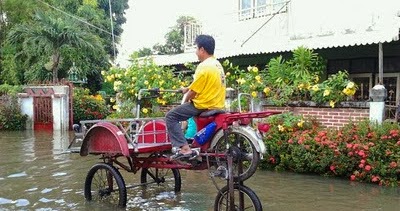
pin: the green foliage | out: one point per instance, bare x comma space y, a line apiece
88, 107
249, 81
11, 117
21, 63
296, 79
6, 89
359, 151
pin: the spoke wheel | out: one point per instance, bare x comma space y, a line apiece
105, 184
245, 155
245, 199
168, 179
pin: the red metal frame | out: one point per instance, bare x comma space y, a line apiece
107, 139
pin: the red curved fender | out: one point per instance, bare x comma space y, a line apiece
104, 137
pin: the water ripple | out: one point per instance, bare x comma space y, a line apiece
22, 174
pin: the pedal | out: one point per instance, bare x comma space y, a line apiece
221, 171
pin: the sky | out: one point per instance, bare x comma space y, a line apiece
149, 20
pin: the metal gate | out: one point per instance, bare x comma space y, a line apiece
43, 113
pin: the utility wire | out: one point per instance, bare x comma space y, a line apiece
269, 19
77, 18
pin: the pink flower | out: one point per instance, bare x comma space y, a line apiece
375, 178
353, 177
332, 168
367, 168
290, 141
362, 161
393, 164
348, 145
361, 153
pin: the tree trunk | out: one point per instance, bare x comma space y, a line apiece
54, 68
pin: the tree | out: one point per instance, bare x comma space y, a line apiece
175, 37
48, 36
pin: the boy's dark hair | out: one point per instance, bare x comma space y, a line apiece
207, 42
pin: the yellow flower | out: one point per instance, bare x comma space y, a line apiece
350, 85
103, 72
332, 103
327, 92
249, 68
300, 123
115, 107
281, 128
316, 79
146, 82
228, 74
255, 69
258, 78
267, 90
112, 100
315, 88
241, 81
300, 86
145, 110
254, 94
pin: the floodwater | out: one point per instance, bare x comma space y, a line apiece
36, 173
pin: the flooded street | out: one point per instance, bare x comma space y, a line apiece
37, 174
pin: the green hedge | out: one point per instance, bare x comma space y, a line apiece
11, 117
360, 151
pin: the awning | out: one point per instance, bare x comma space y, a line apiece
258, 45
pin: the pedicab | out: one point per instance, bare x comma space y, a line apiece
229, 146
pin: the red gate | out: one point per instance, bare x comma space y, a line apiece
43, 113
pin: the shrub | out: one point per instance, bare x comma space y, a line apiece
359, 151
11, 117
88, 107
143, 73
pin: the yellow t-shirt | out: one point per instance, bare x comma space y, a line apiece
209, 84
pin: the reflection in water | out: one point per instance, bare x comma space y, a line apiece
36, 173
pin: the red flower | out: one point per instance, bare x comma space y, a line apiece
361, 166
367, 168
361, 153
353, 177
375, 178
362, 161
349, 145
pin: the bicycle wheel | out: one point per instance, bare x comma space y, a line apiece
245, 199
245, 155
166, 178
104, 183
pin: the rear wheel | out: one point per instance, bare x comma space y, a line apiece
105, 184
245, 155
244, 199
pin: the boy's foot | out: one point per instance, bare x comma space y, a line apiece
190, 155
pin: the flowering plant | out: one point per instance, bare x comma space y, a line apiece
142, 74
361, 151
333, 90
250, 80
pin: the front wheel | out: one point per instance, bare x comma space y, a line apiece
104, 183
245, 155
244, 199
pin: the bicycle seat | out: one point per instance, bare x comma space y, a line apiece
211, 112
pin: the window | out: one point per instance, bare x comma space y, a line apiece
258, 8
364, 84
